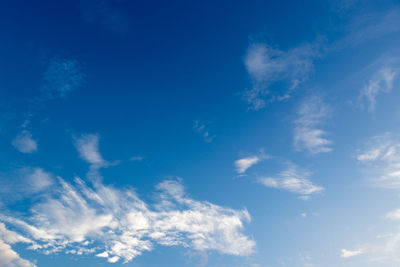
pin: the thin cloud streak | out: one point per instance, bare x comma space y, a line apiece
381, 82
380, 157
294, 180
308, 134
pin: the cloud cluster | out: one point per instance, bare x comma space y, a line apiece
117, 225
308, 134
294, 180
266, 66
81, 218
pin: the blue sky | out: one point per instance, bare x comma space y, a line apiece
159, 133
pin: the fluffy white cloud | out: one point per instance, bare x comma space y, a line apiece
293, 180
381, 82
88, 148
24, 142
266, 65
350, 253
243, 164
117, 225
308, 134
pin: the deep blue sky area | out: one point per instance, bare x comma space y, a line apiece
211, 133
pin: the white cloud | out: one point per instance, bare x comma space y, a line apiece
293, 180
243, 164
8, 257
308, 134
72, 218
381, 158
39, 180
381, 82
394, 215
350, 253
23, 182
88, 148
267, 65
24, 142
11, 237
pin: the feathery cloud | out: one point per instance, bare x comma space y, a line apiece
381, 157
266, 65
381, 82
8, 257
117, 225
308, 134
293, 180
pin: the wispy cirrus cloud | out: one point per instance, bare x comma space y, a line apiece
23, 183
308, 133
9, 257
294, 180
24, 142
267, 65
368, 26
381, 159
100, 220
117, 225
381, 82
